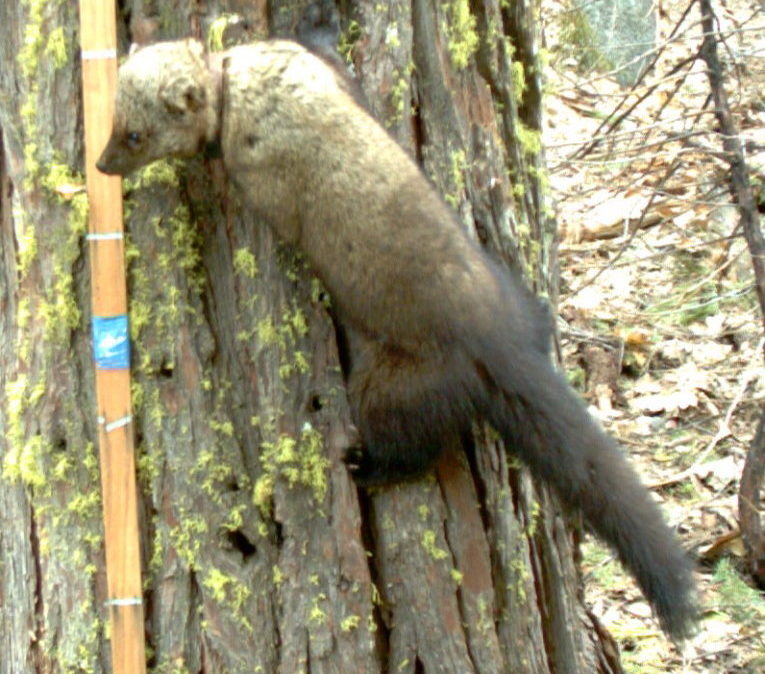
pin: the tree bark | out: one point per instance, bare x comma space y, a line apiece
260, 555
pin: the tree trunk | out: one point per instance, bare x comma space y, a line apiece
260, 555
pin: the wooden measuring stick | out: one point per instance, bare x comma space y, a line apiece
111, 341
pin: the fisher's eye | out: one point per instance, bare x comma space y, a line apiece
133, 140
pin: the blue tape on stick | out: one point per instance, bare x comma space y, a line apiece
111, 344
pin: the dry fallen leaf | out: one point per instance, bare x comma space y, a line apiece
666, 402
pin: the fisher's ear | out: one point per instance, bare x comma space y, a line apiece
182, 95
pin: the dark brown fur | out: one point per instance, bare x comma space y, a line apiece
437, 333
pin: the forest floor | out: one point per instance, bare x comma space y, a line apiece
660, 323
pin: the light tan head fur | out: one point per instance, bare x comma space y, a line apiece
166, 105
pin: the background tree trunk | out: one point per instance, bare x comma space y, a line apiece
260, 555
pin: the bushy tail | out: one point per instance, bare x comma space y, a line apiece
548, 427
